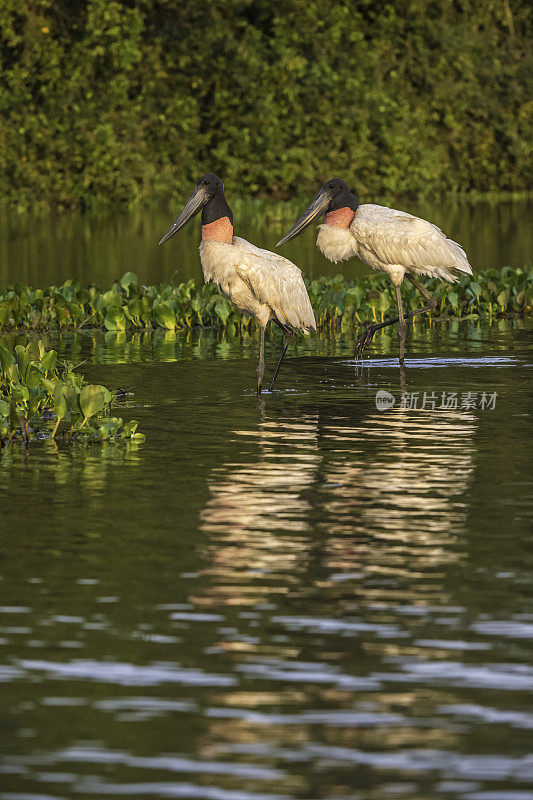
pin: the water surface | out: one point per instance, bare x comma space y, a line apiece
293, 597
51, 248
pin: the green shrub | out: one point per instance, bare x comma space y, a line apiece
114, 100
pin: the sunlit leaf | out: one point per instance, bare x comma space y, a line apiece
92, 400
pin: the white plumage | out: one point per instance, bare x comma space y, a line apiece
395, 242
261, 284
388, 240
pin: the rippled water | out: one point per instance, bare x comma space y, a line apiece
296, 597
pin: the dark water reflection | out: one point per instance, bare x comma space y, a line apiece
101, 247
298, 597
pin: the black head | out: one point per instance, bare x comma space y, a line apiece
209, 196
334, 194
340, 195
211, 183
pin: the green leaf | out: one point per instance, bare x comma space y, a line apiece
49, 360
14, 416
503, 299
33, 351
71, 396
128, 279
112, 298
6, 359
222, 310
165, 316
115, 319
23, 359
92, 400
49, 385
60, 403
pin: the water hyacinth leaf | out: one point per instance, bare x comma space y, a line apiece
112, 298
49, 385
23, 359
71, 396
60, 403
109, 396
130, 428
33, 351
129, 279
115, 319
6, 359
134, 310
503, 299
33, 378
165, 316
453, 299
14, 416
222, 310
92, 400
49, 360
20, 393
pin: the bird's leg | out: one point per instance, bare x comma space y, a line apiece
261, 366
369, 331
431, 304
288, 337
401, 325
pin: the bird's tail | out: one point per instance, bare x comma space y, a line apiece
461, 260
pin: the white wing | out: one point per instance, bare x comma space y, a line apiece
278, 283
396, 238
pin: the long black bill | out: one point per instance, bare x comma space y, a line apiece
315, 210
196, 201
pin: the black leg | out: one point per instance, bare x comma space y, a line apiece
369, 331
401, 325
261, 366
288, 337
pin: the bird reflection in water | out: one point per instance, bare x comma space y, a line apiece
321, 532
401, 490
385, 496
259, 509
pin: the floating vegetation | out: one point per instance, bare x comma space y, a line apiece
38, 393
337, 303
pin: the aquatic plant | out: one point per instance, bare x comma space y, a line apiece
337, 303
38, 393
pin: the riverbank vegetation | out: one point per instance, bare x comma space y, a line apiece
38, 393
337, 303
123, 100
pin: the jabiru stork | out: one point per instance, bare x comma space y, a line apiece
388, 240
259, 283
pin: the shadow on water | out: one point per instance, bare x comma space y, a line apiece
299, 596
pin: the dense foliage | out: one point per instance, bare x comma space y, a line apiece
336, 302
127, 99
37, 393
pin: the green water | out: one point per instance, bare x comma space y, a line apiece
293, 597
51, 248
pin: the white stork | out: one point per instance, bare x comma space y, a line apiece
259, 283
387, 240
